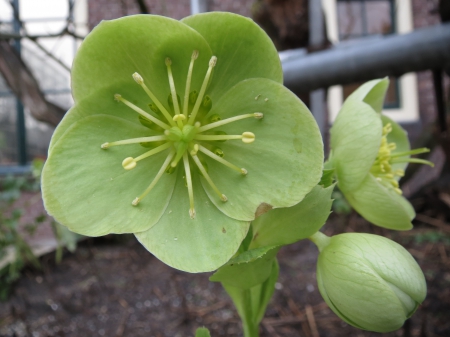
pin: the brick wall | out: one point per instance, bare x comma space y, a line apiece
177, 9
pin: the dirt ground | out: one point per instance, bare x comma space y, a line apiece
113, 287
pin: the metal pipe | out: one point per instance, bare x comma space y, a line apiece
395, 55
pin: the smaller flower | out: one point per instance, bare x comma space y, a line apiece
370, 282
369, 153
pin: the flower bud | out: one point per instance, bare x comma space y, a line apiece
369, 281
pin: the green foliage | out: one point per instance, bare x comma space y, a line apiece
202, 332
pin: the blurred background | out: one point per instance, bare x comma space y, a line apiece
54, 283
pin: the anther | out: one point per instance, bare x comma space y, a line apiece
179, 117
244, 172
104, 145
194, 55
258, 115
213, 61
248, 137
138, 78
168, 61
117, 97
136, 201
194, 150
129, 163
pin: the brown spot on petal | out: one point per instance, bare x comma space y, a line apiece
262, 208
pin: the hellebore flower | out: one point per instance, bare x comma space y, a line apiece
369, 153
369, 281
207, 135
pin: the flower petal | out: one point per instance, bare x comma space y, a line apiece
381, 206
355, 140
86, 188
242, 48
194, 245
116, 49
284, 162
372, 93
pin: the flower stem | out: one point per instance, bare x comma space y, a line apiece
320, 240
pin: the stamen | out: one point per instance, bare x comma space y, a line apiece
194, 150
247, 137
413, 160
212, 63
130, 162
133, 141
188, 83
203, 149
139, 80
172, 86
155, 180
411, 152
208, 179
257, 115
119, 98
187, 170
179, 119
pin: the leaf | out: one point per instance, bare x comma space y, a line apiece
202, 332
283, 226
247, 269
327, 178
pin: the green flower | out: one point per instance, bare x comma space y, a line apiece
207, 136
369, 281
369, 153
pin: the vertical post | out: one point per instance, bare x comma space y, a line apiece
316, 34
20, 119
199, 6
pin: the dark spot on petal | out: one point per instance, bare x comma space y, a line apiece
224, 230
262, 208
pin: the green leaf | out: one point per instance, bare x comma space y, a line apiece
251, 303
193, 245
86, 187
202, 332
280, 227
355, 140
284, 162
248, 269
242, 48
327, 178
115, 49
381, 206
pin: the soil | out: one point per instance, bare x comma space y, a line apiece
113, 287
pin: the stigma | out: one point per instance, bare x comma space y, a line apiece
185, 131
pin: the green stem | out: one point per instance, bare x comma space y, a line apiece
250, 328
321, 240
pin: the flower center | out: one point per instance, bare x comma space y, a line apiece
382, 167
186, 132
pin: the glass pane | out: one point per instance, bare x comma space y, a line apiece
350, 21
379, 18
8, 135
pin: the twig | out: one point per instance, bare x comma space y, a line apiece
311, 320
434, 222
443, 253
121, 327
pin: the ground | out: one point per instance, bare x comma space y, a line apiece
113, 287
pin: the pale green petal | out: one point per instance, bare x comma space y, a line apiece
284, 226
248, 269
193, 245
284, 162
242, 48
381, 206
115, 49
372, 93
86, 188
355, 141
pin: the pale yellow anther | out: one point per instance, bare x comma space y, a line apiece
167, 132
129, 163
213, 61
244, 172
197, 124
248, 137
194, 150
136, 201
138, 78
104, 145
224, 198
394, 183
179, 117
194, 55
117, 97
168, 61
399, 173
398, 191
258, 115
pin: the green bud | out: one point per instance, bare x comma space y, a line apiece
369, 281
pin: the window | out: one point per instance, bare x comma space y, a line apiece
357, 19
